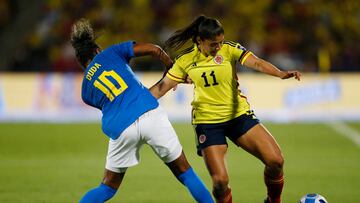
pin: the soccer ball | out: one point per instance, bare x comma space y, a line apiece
312, 198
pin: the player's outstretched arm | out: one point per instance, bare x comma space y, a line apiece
265, 67
143, 49
162, 87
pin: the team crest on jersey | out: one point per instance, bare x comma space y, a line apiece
218, 59
202, 138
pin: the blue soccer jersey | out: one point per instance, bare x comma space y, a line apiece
110, 85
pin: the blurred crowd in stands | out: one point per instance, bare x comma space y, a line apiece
309, 35
8, 11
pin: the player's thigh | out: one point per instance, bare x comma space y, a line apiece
157, 131
124, 151
259, 142
214, 157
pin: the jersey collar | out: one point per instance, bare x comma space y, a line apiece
200, 55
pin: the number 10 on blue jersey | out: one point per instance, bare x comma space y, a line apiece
108, 87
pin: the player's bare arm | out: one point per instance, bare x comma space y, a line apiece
162, 87
263, 66
143, 49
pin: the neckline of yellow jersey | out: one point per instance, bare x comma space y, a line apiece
198, 52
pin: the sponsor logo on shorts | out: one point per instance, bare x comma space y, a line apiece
202, 139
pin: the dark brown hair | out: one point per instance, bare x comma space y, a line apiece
202, 26
83, 41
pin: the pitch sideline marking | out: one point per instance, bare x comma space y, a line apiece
346, 131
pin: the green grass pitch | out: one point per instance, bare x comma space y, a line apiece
48, 163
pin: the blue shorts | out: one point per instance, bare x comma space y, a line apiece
215, 134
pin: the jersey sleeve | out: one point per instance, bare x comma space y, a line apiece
177, 72
125, 50
238, 52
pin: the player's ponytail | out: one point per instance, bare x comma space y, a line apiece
202, 26
83, 41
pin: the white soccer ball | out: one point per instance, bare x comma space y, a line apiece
313, 198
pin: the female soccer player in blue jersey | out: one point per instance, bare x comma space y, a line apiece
220, 110
131, 114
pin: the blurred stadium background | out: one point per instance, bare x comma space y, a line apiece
51, 145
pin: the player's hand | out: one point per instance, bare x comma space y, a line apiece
188, 80
290, 74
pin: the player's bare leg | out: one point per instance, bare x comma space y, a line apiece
181, 168
113, 179
106, 190
214, 157
260, 143
179, 165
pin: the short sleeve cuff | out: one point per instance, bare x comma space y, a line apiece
244, 56
175, 78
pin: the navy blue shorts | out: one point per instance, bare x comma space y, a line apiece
215, 134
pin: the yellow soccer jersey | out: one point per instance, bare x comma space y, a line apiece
217, 97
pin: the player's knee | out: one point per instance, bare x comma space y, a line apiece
276, 162
220, 182
179, 165
113, 179
220, 186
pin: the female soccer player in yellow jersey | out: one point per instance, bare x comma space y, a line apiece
220, 110
131, 116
